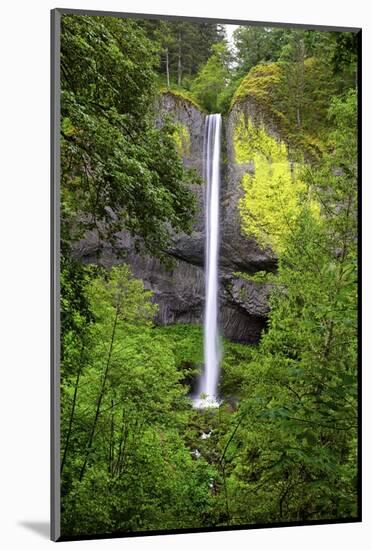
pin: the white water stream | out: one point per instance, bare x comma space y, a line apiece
207, 394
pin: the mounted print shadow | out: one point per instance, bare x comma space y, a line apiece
205, 342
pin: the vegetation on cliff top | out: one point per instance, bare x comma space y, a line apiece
259, 83
182, 94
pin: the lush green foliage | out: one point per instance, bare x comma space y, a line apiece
298, 462
259, 83
123, 413
182, 140
135, 454
213, 79
118, 169
273, 193
184, 47
181, 94
294, 79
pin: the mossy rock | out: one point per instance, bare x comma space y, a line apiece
260, 89
273, 191
181, 94
182, 139
259, 83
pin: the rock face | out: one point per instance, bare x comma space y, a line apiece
238, 252
179, 291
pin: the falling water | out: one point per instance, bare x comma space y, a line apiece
208, 384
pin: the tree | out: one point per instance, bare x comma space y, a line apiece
119, 170
294, 55
126, 466
257, 44
213, 78
300, 391
184, 47
310, 72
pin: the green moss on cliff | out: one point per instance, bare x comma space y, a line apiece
182, 139
268, 86
261, 277
259, 83
273, 190
181, 94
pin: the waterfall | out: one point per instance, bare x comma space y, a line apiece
208, 383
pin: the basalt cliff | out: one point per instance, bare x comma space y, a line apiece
179, 290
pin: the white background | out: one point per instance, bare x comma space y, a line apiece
24, 271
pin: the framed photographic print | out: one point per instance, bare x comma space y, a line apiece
205, 254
